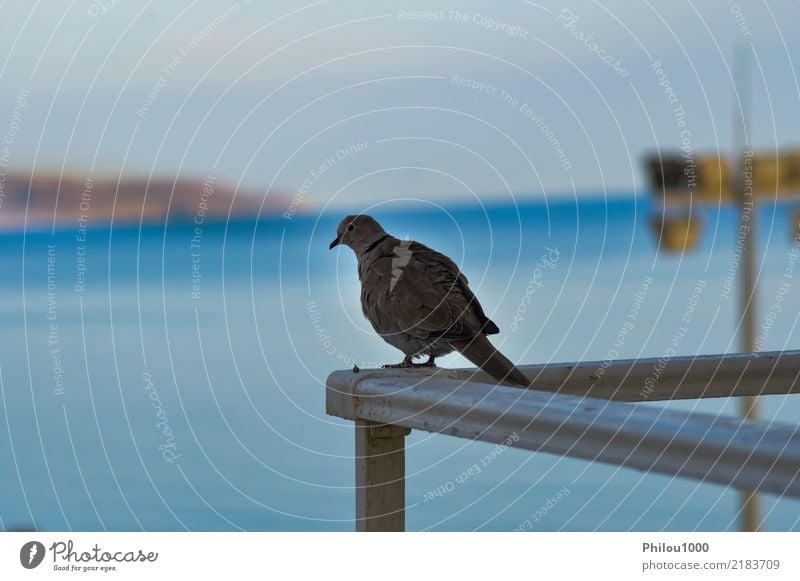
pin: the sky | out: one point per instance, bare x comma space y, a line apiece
354, 103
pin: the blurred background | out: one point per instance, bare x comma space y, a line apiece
171, 176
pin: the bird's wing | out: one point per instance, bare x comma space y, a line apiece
431, 298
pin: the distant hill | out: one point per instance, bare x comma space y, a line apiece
95, 202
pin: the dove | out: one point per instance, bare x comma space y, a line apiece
418, 300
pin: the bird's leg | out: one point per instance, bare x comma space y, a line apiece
431, 362
406, 362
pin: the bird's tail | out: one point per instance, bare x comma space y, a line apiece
480, 351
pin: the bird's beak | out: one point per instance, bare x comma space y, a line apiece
334, 244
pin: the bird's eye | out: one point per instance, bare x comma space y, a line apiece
350, 228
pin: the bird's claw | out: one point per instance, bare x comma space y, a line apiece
406, 363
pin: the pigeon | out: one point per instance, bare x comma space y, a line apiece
418, 301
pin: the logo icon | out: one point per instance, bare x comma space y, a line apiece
31, 554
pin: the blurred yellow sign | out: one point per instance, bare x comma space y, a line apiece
708, 178
776, 174
677, 234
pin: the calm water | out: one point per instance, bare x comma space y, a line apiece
183, 388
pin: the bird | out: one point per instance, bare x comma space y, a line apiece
419, 301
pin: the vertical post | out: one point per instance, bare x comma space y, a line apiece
750, 518
380, 477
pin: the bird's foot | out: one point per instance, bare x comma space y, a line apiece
408, 362
402, 365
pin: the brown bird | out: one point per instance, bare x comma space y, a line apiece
419, 301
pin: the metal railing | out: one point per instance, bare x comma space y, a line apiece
582, 410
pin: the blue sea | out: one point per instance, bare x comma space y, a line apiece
173, 378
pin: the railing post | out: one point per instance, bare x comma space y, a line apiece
380, 477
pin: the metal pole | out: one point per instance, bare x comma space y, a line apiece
750, 511
750, 517
380, 477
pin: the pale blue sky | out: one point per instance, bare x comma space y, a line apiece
272, 90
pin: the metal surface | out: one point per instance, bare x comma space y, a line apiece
704, 447
636, 380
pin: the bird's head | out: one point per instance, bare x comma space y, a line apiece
358, 232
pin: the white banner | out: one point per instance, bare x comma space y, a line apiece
389, 556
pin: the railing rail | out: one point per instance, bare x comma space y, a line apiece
572, 412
